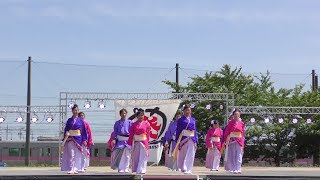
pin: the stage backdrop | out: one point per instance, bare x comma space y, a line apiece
158, 113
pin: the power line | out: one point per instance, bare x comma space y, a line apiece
11, 61
51, 79
163, 77
15, 69
303, 81
182, 69
137, 67
144, 67
96, 65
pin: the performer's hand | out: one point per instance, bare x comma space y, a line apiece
85, 143
113, 142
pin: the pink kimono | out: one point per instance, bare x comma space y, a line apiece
234, 140
86, 149
90, 140
213, 143
139, 141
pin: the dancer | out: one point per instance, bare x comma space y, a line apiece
75, 136
86, 149
169, 142
226, 166
138, 140
234, 143
186, 146
213, 143
120, 151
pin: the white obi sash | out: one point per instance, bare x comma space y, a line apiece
141, 137
215, 139
74, 132
188, 133
235, 135
122, 138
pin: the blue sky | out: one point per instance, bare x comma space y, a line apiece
279, 36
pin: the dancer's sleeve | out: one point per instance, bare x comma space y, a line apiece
67, 127
221, 134
84, 133
110, 141
179, 127
208, 143
167, 135
196, 137
148, 129
90, 140
243, 135
115, 130
131, 136
226, 133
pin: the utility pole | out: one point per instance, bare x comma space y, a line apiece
313, 79
7, 131
27, 155
177, 78
20, 134
316, 82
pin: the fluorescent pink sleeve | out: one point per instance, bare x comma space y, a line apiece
147, 130
227, 131
132, 130
90, 141
208, 137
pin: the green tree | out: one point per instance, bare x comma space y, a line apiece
276, 140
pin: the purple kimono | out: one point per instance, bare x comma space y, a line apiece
182, 125
120, 155
76, 124
72, 152
121, 128
170, 133
186, 144
170, 138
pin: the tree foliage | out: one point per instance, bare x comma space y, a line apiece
278, 141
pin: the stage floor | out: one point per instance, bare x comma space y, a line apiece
160, 172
